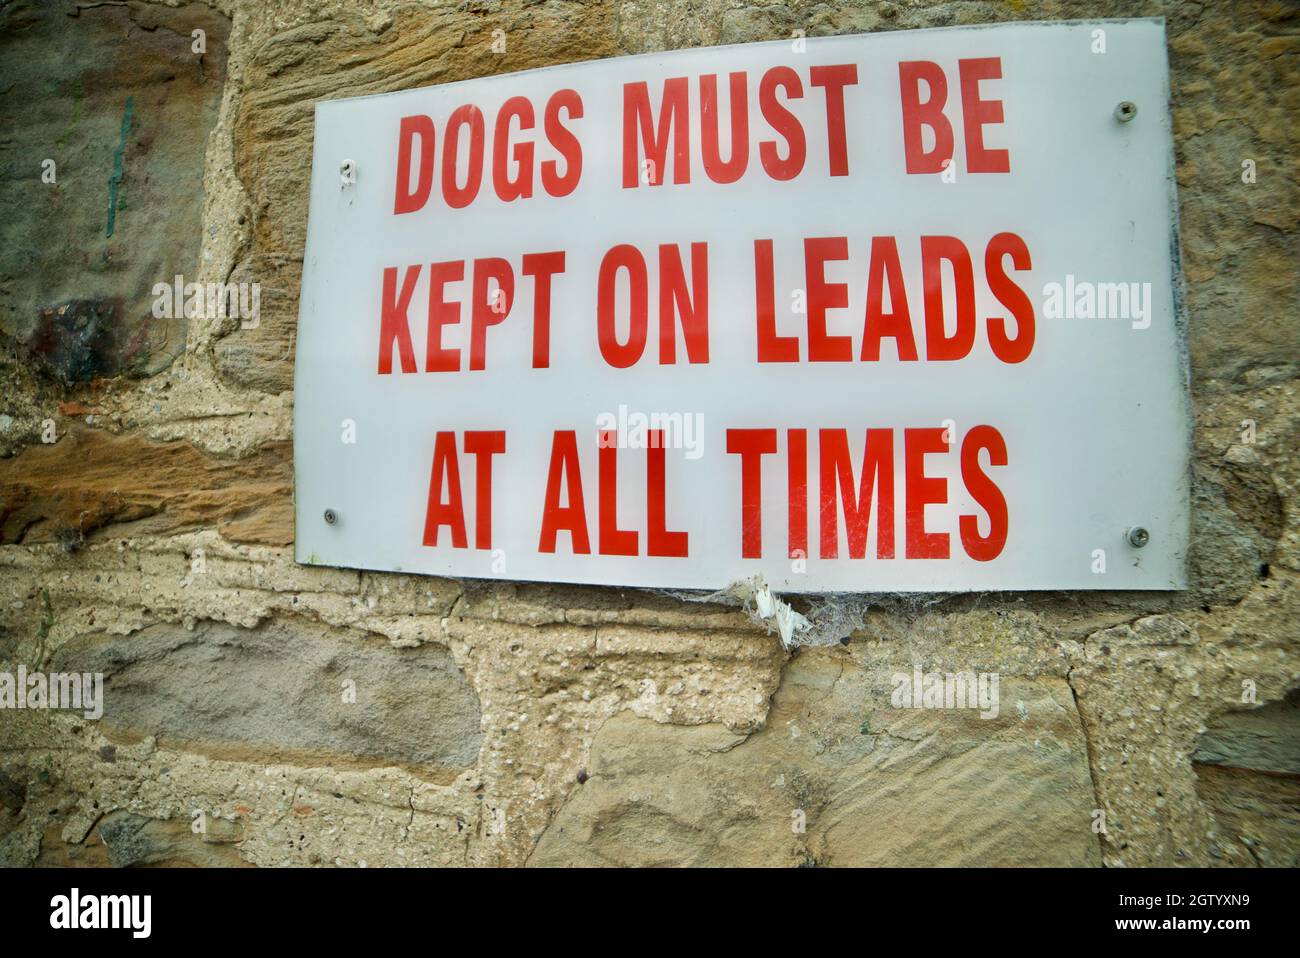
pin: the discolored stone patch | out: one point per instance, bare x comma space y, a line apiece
1266, 739
1247, 768
278, 694
90, 480
79, 341
106, 110
126, 840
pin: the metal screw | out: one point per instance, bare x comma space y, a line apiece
1126, 111
1137, 537
331, 517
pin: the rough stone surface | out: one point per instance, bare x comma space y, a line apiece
1247, 767
1265, 739
124, 840
283, 693
67, 491
116, 98
834, 778
578, 724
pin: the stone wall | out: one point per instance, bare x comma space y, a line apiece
146, 516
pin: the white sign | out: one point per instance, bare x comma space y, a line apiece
859, 313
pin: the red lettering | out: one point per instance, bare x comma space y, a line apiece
522, 185
822, 347
877, 473
673, 120
409, 200
452, 512
659, 540
751, 445
693, 307
922, 490
884, 271
733, 168
487, 312
442, 313
613, 540
542, 266
628, 258
930, 113
458, 197
977, 113
393, 325
573, 517
483, 446
563, 141
985, 493
797, 503
834, 79
1011, 296
938, 344
783, 122
771, 347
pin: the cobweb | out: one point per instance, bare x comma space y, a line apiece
825, 619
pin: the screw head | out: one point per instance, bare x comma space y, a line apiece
331, 516
1126, 111
1137, 537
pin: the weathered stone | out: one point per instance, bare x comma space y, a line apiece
13, 790
868, 783
1147, 690
126, 840
114, 96
280, 693
89, 480
1260, 812
1248, 773
641, 724
1265, 739
134, 840
79, 341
